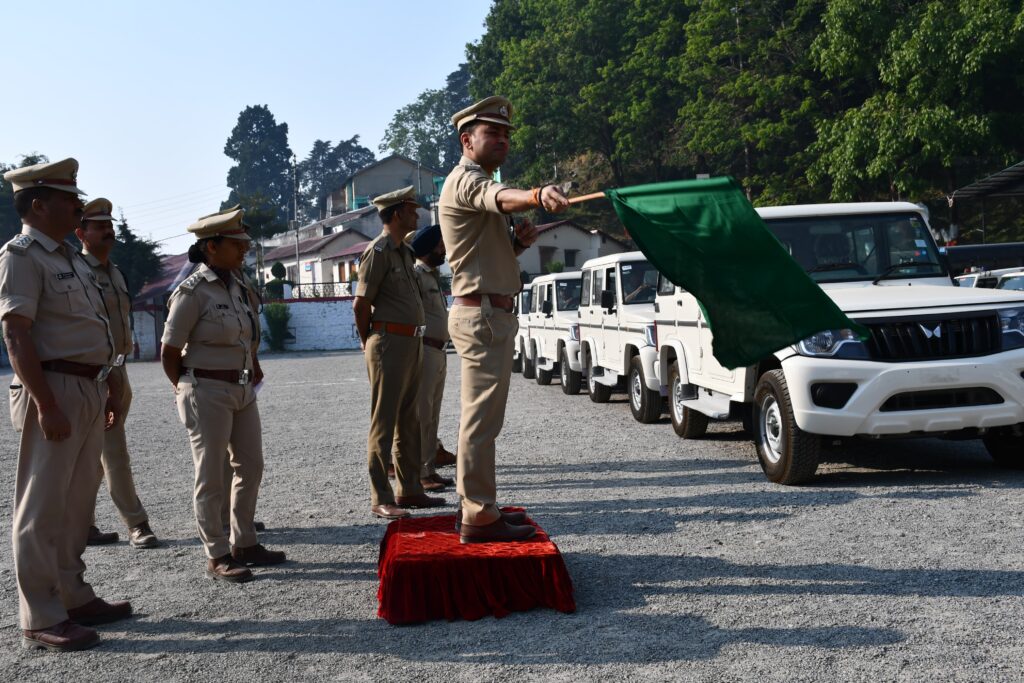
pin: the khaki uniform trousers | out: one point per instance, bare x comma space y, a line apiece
54, 496
393, 365
428, 408
223, 422
484, 338
117, 465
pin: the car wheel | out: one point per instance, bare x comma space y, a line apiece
643, 403
529, 369
517, 361
687, 422
1005, 448
543, 376
571, 380
788, 455
599, 393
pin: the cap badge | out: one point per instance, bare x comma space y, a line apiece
503, 110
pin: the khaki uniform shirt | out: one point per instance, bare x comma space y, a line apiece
476, 233
44, 281
387, 280
435, 305
116, 300
214, 324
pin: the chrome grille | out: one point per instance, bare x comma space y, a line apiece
933, 338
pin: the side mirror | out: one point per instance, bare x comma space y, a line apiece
608, 300
546, 308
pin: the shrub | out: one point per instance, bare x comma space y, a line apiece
277, 317
555, 267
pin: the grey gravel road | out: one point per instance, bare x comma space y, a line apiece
902, 561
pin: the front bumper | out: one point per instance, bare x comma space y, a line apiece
878, 382
572, 350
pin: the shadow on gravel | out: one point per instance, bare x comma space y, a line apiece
359, 534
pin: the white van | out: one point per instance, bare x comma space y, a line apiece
618, 343
940, 360
554, 343
521, 308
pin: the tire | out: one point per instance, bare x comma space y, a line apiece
687, 422
571, 380
529, 369
788, 455
543, 376
1005, 448
643, 403
599, 393
517, 363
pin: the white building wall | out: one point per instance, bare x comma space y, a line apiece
147, 334
321, 326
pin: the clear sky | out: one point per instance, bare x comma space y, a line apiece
144, 94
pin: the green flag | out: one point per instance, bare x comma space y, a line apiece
705, 236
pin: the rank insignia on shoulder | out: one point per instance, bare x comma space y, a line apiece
20, 243
379, 247
189, 283
65, 276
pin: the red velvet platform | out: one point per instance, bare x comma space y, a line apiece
426, 573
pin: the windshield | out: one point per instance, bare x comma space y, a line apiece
1015, 282
967, 281
851, 248
639, 282
525, 297
568, 295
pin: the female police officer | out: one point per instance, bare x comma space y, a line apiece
207, 354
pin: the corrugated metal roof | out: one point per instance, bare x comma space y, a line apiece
1006, 183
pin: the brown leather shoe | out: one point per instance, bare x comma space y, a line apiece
437, 478
420, 500
257, 556
97, 537
498, 531
66, 636
142, 536
430, 484
509, 517
99, 611
389, 511
444, 457
224, 568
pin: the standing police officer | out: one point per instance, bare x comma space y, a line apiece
97, 238
482, 253
61, 349
208, 355
390, 322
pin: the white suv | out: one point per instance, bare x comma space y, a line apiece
940, 360
618, 344
521, 308
554, 343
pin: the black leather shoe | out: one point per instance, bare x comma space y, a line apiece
97, 537
509, 517
498, 531
421, 500
257, 556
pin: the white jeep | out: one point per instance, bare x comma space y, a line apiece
554, 343
618, 346
521, 308
940, 360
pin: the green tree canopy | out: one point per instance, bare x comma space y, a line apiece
325, 170
261, 179
136, 257
10, 222
423, 130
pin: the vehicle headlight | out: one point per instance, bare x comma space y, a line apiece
1011, 322
651, 335
833, 344
574, 332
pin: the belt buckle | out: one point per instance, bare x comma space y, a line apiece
119, 361
101, 376
244, 376
421, 330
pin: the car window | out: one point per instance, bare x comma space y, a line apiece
1016, 283
665, 286
639, 282
596, 288
527, 298
567, 295
585, 289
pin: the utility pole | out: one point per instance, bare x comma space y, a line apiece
295, 223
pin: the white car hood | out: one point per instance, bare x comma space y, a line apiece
636, 314
918, 296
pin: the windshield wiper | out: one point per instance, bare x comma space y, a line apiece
909, 264
835, 266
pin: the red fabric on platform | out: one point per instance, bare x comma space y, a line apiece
426, 573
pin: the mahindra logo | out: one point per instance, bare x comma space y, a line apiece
928, 334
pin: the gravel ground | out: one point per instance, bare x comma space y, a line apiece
901, 562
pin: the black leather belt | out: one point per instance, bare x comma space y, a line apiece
70, 367
230, 376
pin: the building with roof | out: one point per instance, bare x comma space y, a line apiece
390, 173
311, 266
570, 244
149, 309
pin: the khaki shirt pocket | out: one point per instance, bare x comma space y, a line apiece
67, 293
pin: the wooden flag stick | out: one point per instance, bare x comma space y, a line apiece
586, 197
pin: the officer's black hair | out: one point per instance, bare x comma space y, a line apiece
387, 214
197, 252
470, 127
23, 198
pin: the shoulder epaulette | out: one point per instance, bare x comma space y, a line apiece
189, 283
19, 244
